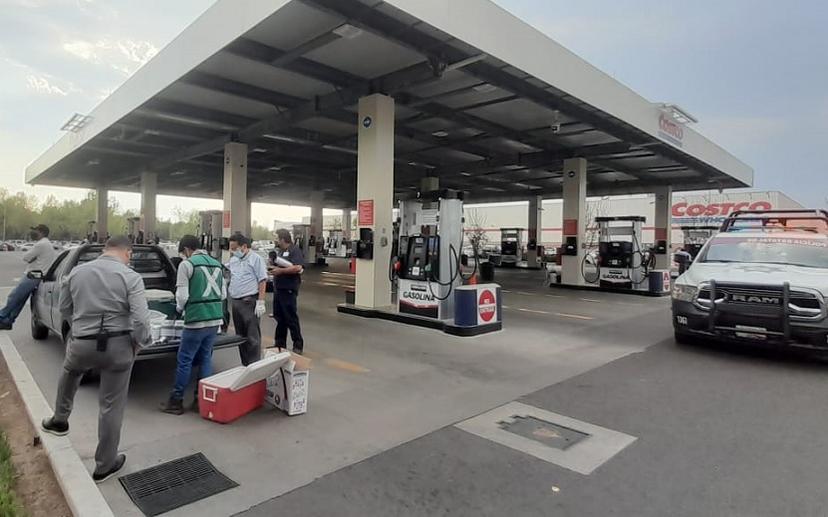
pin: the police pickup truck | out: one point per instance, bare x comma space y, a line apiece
151, 262
763, 279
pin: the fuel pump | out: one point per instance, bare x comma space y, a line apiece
305, 241
511, 246
622, 262
695, 237
428, 265
335, 244
210, 229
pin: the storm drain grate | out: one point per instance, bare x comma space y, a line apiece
547, 433
174, 484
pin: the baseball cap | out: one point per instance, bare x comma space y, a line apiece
42, 228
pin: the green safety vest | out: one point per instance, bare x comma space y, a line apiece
206, 283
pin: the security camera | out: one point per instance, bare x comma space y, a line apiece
555, 127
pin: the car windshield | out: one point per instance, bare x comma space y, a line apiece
769, 250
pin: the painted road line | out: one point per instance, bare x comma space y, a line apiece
335, 363
545, 313
591, 300
553, 296
347, 275
574, 316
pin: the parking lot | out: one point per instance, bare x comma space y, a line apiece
380, 439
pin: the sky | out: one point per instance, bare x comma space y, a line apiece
754, 72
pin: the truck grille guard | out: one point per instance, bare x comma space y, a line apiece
794, 304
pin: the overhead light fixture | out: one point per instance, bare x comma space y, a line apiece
485, 88
76, 123
678, 113
466, 62
152, 132
178, 173
280, 138
348, 31
194, 185
440, 134
94, 161
274, 168
340, 149
465, 174
259, 150
273, 184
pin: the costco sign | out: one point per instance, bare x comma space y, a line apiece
685, 209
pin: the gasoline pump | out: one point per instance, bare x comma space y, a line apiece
428, 262
623, 263
210, 233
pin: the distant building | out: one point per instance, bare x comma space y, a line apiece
689, 209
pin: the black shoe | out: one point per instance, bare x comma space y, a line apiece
5, 325
120, 461
53, 427
173, 407
299, 351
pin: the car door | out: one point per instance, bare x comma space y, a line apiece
49, 291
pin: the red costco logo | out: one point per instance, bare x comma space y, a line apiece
486, 305
684, 209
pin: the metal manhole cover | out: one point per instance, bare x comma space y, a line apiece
547, 433
174, 484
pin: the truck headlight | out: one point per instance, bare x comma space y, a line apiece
685, 293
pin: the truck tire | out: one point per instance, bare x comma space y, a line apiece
683, 338
39, 332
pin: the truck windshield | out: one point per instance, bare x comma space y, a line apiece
805, 252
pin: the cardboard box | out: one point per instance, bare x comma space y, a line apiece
287, 389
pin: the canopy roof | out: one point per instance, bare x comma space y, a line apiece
483, 101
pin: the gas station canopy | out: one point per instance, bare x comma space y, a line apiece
484, 101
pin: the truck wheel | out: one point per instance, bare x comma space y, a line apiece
683, 338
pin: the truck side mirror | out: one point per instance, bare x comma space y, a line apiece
35, 275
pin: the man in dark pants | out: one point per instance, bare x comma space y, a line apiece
248, 284
286, 281
105, 301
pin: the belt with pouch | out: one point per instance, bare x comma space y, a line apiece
103, 338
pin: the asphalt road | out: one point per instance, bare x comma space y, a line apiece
718, 432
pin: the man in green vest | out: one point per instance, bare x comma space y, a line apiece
200, 293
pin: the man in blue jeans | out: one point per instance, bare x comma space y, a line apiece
39, 258
200, 293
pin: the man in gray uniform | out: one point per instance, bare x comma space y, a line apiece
104, 299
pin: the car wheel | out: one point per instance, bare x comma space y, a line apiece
39, 332
682, 338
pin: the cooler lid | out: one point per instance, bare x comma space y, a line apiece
260, 370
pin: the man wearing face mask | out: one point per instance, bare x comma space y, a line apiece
39, 258
199, 293
248, 283
105, 302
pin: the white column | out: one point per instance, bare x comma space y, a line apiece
346, 224
574, 218
316, 226
102, 213
375, 197
236, 208
149, 192
535, 230
664, 225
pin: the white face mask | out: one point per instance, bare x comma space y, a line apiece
238, 254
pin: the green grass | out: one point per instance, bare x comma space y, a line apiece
9, 505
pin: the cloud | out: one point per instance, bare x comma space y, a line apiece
42, 85
123, 55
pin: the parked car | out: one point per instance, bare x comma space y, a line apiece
151, 262
762, 280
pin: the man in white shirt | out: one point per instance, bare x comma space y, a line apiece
248, 283
39, 258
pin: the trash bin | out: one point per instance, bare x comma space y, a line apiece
487, 271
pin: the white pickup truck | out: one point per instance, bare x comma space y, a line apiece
763, 279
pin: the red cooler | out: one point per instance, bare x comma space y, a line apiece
229, 395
